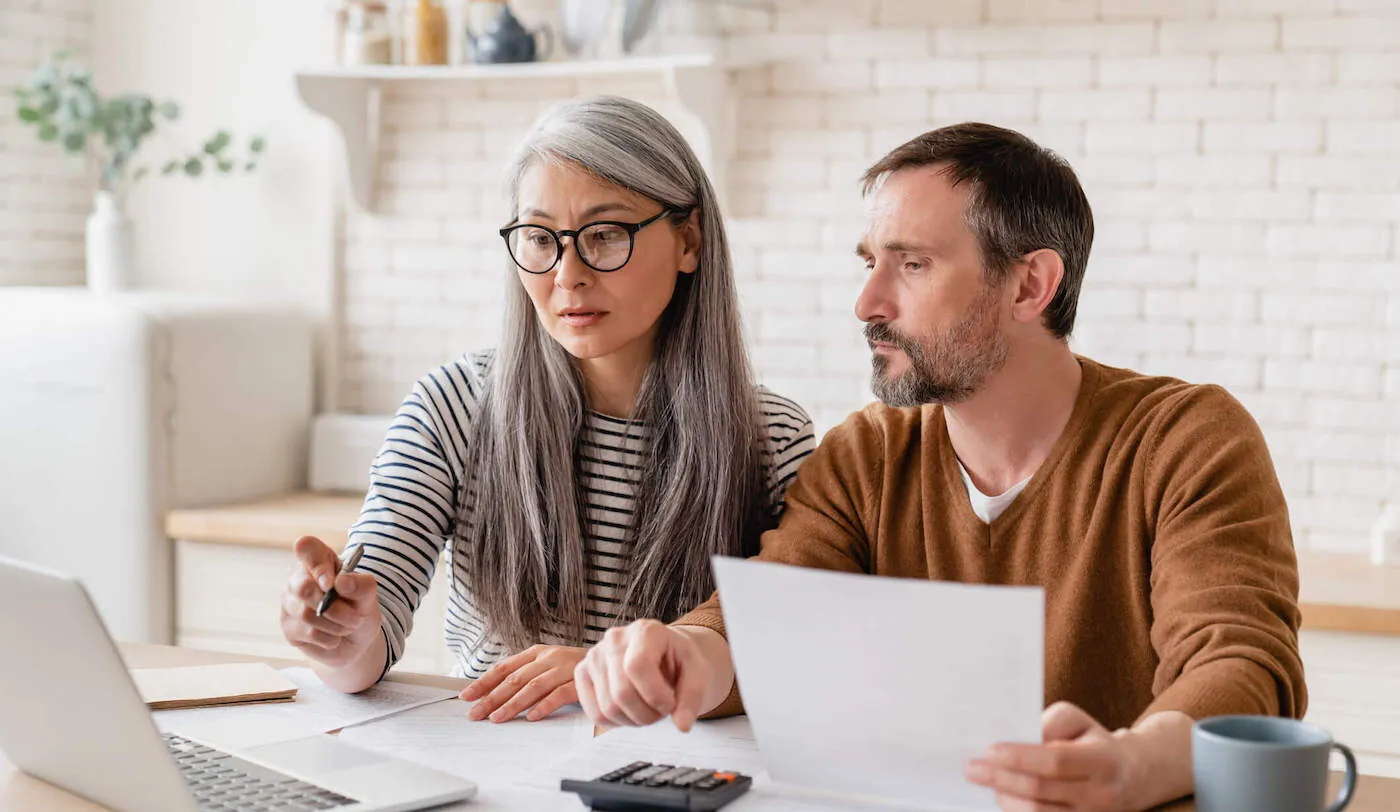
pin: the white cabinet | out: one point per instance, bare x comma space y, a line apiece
1354, 691
115, 409
233, 563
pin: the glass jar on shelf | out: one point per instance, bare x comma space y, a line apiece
366, 39
425, 33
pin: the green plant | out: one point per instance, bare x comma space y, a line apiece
62, 104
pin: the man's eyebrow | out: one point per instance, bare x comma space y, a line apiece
897, 247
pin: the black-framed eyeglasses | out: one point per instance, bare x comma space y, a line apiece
604, 245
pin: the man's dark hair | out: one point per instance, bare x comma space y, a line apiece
1022, 198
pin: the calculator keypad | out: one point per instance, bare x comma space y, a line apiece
643, 773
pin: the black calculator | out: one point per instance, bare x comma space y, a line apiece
642, 786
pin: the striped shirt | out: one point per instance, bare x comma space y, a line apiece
416, 509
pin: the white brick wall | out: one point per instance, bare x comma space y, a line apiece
1242, 156
43, 197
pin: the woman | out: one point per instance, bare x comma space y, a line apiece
584, 473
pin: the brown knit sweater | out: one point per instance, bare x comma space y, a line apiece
1156, 526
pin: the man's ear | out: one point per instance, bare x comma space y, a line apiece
691, 240
1037, 282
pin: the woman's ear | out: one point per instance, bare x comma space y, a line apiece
691, 240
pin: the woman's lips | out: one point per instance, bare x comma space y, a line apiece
582, 318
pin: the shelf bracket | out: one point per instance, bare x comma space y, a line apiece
353, 105
701, 91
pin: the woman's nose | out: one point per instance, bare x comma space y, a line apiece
572, 272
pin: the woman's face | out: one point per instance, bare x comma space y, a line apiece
593, 314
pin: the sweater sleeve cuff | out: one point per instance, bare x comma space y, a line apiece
710, 617
1227, 686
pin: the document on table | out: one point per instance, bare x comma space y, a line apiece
441, 736
500, 758
722, 744
317, 709
882, 687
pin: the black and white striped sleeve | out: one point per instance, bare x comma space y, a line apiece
789, 439
411, 507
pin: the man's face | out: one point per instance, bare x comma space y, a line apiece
933, 323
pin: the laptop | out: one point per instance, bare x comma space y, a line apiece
70, 715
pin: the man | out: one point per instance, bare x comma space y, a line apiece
1147, 508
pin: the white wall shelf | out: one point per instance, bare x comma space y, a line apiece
350, 97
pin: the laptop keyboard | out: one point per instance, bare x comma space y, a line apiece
224, 782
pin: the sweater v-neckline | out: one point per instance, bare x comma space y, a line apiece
952, 479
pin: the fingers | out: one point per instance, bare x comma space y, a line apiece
507, 689
312, 640
318, 559
691, 679
301, 625
1049, 793
587, 691
608, 712
558, 698
1064, 721
641, 665
625, 697
622, 681
1010, 803
1063, 761
304, 587
534, 692
359, 589
487, 682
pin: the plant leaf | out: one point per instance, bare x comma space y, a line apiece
170, 168
29, 114
170, 110
75, 141
218, 143
48, 132
258, 145
225, 166
194, 167
250, 166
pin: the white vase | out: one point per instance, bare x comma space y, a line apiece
110, 246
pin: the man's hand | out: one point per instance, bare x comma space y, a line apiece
539, 679
647, 671
1080, 766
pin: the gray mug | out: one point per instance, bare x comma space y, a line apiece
1265, 764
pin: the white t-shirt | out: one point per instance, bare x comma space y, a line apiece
988, 508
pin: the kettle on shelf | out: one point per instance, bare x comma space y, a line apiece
506, 40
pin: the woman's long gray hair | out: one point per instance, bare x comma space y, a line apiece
700, 492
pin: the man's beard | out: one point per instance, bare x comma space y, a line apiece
946, 367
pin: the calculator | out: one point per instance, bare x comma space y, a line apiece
642, 786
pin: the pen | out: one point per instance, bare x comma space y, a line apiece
330, 593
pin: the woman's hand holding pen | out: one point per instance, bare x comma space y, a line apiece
348, 628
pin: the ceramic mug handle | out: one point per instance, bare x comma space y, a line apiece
1349, 782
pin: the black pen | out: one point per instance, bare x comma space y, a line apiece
330, 593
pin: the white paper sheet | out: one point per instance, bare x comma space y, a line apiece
883, 687
724, 744
317, 709
441, 736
